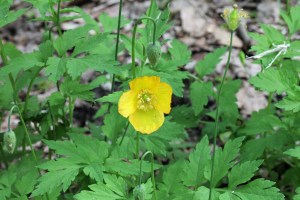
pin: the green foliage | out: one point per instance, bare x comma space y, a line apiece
97, 156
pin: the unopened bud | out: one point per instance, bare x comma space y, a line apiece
153, 53
10, 141
139, 192
233, 17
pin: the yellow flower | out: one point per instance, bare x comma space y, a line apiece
145, 103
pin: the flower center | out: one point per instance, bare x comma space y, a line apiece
145, 100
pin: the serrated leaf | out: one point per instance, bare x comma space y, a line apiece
158, 141
111, 23
275, 80
55, 69
23, 62
70, 38
295, 152
292, 101
261, 122
259, 189
111, 98
198, 160
180, 55
208, 64
114, 124
292, 19
83, 152
199, 93
9, 16
224, 160
242, 173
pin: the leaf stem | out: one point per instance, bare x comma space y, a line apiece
117, 45
152, 172
58, 18
123, 136
134, 38
217, 117
29, 88
71, 111
137, 150
11, 79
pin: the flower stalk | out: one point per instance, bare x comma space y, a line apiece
216, 129
134, 38
152, 172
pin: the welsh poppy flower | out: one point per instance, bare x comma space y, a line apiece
145, 103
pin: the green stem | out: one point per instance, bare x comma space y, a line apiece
26, 132
3, 155
117, 45
123, 136
137, 150
288, 6
11, 79
70, 111
29, 89
270, 97
217, 118
58, 18
134, 38
3, 56
152, 172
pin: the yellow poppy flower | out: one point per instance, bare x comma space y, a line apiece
145, 103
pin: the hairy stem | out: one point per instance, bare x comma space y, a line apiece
11, 79
29, 88
117, 45
217, 118
134, 38
152, 172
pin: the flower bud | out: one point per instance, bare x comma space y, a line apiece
153, 53
139, 192
233, 17
10, 141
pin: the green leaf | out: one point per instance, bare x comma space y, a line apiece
76, 90
99, 191
292, 19
70, 38
114, 124
55, 69
179, 56
41, 5
224, 160
111, 98
199, 93
198, 160
110, 24
259, 189
184, 115
293, 152
6, 16
83, 152
292, 101
228, 101
24, 62
116, 184
89, 44
242, 173
159, 141
261, 122
276, 80
297, 196
208, 64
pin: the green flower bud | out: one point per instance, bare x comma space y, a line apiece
233, 17
139, 192
153, 53
10, 141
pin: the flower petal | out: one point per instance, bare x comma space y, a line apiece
148, 121
163, 94
127, 103
145, 82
